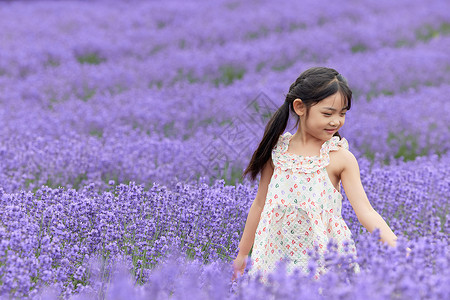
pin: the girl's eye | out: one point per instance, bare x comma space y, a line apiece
328, 114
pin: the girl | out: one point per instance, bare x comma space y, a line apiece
298, 203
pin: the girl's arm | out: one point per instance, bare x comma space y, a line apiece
354, 190
254, 215
248, 236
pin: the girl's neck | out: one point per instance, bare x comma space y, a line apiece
304, 144
306, 140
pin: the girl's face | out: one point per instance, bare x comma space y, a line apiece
325, 118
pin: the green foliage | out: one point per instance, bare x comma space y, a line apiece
87, 94
260, 33
372, 94
117, 89
402, 43
156, 49
260, 66
91, 59
169, 129
183, 75
369, 154
427, 32
96, 132
228, 74
282, 66
359, 48
294, 26
182, 44
226, 122
157, 83
161, 24
77, 181
408, 149
387, 92
54, 182
52, 63
235, 176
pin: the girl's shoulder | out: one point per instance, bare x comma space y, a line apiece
342, 156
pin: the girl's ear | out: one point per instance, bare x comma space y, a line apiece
299, 107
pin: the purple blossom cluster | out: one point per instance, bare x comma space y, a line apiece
125, 125
51, 236
390, 276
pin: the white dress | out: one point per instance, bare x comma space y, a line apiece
302, 207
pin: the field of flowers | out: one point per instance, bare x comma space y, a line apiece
125, 127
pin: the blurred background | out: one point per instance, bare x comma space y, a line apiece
170, 91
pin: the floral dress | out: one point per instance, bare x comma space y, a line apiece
302, 209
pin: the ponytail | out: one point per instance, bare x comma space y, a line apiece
274, 128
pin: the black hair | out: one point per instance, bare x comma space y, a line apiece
312, 86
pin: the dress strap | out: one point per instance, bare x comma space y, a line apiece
282, 143
333, 144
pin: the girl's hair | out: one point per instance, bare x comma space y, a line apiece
312, 86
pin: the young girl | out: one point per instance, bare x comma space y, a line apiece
298, 203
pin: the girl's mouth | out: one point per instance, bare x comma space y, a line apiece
330, 130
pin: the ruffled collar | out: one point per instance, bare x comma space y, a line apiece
306, 164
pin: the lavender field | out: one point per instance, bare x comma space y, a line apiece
125, 127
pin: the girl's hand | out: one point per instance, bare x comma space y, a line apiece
239, 265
